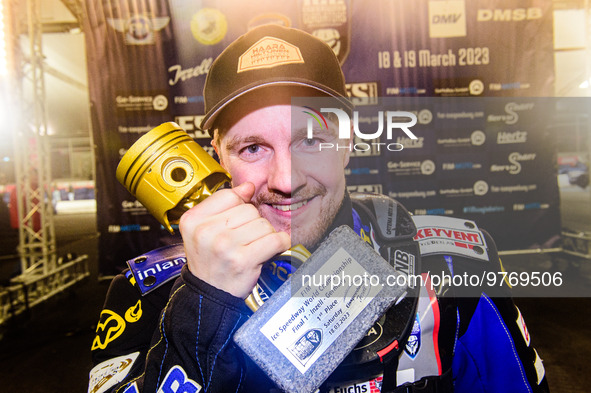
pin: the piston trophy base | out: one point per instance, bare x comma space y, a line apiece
306, 329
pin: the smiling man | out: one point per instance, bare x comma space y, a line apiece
298, 188
285, 190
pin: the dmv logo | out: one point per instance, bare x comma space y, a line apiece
447, 19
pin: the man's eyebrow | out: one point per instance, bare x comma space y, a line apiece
236, 141
302, 133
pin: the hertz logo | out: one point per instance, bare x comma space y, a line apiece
509, 15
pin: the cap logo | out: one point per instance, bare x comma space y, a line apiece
269, 52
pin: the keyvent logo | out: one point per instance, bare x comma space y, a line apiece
394, 120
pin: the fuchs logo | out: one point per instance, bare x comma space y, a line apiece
139, 29
394, 120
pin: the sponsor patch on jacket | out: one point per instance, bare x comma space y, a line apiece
269, 52
522, 327
413, 344
540, 370
111, 325
110, 372
448, 235
371, 386
132, 388
177, 381
157, 267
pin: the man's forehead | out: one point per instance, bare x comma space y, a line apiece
296, 128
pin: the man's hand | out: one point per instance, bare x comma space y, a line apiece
227, 241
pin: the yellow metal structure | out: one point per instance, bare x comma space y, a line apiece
169, 173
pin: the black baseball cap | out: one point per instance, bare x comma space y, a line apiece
271, 55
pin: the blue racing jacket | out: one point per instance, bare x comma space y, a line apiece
164, 330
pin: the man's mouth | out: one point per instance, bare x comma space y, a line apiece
290, 207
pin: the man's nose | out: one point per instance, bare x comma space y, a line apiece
284, 175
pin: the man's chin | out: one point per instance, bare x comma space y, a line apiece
308, 235
305, 233
306, 228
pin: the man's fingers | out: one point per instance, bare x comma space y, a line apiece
238, 216
219, 202
252, 231
269, 245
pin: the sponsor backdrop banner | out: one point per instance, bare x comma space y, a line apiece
490, 160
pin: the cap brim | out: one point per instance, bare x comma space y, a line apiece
210, 117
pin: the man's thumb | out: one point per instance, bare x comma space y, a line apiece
245, 191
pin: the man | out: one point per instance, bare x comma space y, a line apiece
286, 191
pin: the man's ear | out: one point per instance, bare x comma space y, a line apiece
216, 147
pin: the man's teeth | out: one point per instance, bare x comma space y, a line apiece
291, 207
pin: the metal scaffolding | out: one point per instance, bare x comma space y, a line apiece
41, 275
36, 229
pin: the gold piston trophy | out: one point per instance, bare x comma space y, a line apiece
169, 173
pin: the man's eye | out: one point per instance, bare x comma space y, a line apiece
310, 141
252, 149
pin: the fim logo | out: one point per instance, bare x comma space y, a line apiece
139, 29
306, 345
